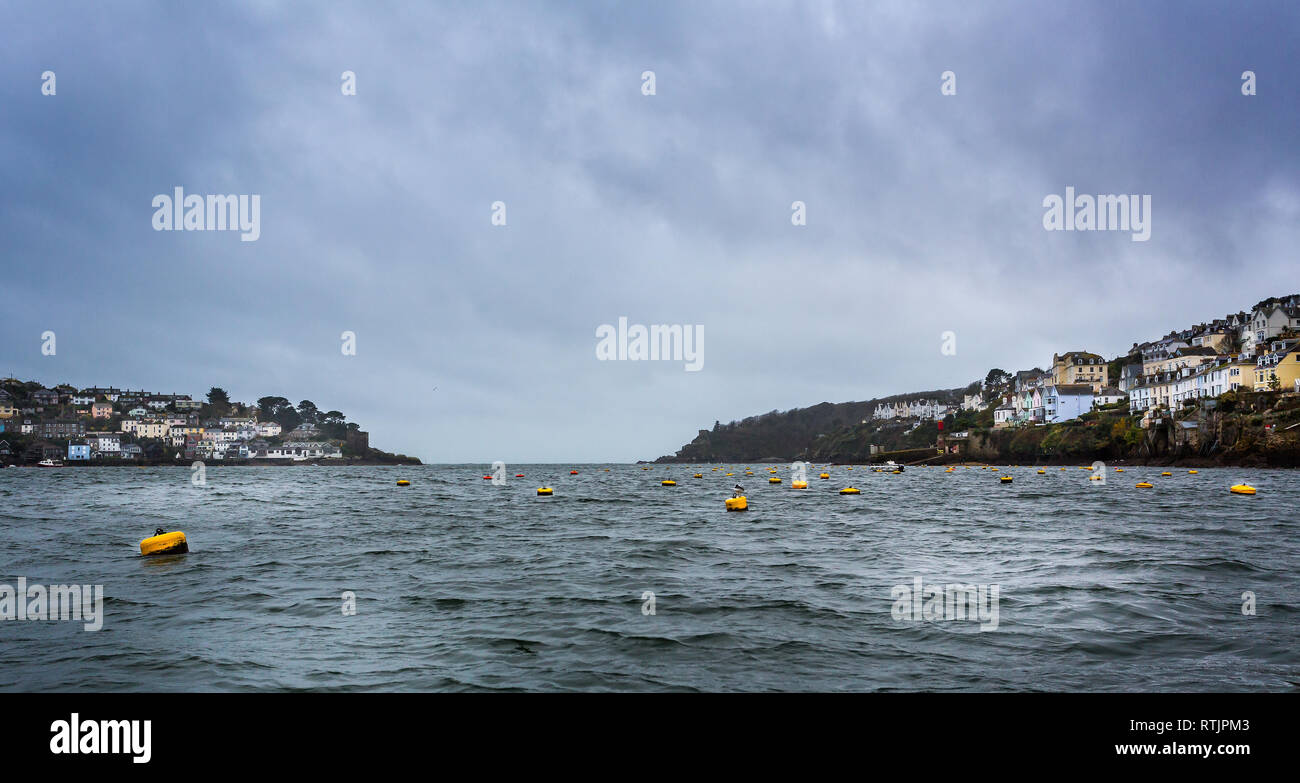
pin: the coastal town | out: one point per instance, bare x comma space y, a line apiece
1254, 351
62, 425
1224, 389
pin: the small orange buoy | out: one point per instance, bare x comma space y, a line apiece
574, 472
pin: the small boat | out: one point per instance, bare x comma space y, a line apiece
50, 463
891, 465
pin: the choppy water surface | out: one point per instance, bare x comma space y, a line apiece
461, 584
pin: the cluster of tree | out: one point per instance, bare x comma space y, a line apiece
332, 424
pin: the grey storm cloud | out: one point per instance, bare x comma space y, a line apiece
924, 210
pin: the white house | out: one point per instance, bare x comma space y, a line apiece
1109, 395
267, 429
1067, 401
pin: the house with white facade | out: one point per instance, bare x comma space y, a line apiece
1066, 401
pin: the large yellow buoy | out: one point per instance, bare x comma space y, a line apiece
161, 543
850, 491
1242, 489
738, 504
1144, 485
798, 485
668, 483
403, 483
545, 491
1005, 479
774, 480
1040, 470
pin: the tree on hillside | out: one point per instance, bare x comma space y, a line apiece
997, 379
267, 407
218, 396
309, 412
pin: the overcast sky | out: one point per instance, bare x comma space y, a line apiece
477, 342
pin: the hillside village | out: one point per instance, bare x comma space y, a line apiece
1154, 387
107, 425
1254, 350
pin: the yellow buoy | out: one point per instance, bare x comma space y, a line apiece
1242, 489
1062, 468
1005, 479
738, 504
403, 483
165, 544
1192, 472
545, 491
850, 491
824, 475
895, 472
774, 480
1144, 485
1040, 470
1119, 470
668, 483
731, 474
798, 485
1166, 473
699, 475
